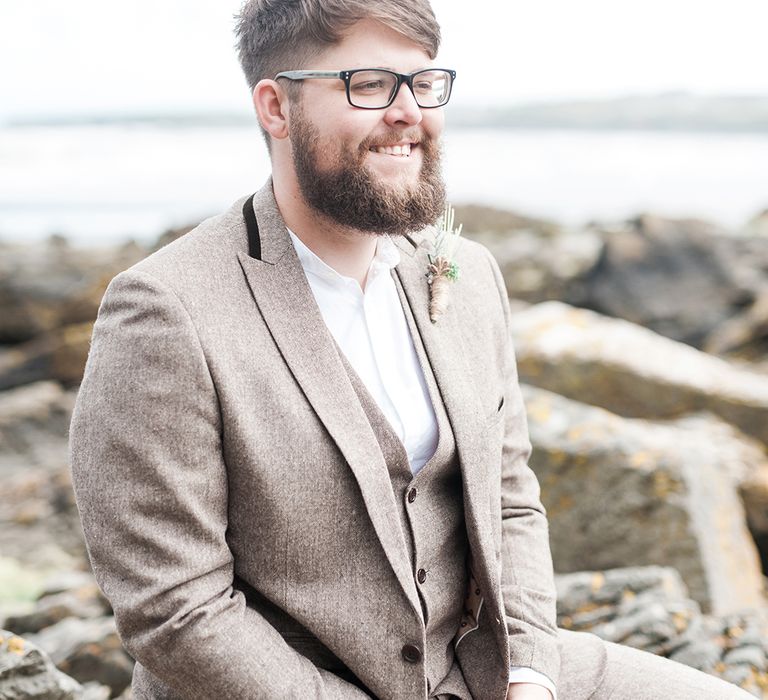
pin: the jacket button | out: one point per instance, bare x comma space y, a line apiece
411, 495
421, 576
411, 653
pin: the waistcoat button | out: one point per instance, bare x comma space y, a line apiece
421, 576
411, 653
411, 495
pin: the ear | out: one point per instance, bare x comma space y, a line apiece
271, 105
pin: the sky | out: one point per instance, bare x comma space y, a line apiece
98, 57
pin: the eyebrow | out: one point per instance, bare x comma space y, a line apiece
394, 70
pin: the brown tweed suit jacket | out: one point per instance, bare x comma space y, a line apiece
237, 507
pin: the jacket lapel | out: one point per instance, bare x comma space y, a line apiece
285, 300
450, 359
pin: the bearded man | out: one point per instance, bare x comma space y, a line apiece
295, 481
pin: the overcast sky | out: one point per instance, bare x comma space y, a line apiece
86, 56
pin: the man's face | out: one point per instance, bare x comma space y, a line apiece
337, 156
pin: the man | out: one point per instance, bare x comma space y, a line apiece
293, 482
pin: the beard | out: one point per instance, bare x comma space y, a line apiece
348, 193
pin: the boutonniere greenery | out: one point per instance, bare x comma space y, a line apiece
442, 269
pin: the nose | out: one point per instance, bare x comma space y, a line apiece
404, 109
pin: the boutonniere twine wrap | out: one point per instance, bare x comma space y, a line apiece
442, 271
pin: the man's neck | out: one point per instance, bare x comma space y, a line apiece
346, 250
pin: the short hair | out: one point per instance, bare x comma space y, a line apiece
278, 35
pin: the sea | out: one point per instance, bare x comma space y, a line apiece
103, 184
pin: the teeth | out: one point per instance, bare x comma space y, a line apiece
394, 150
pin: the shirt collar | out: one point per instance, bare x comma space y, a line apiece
387, 256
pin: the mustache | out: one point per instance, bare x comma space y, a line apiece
393, 137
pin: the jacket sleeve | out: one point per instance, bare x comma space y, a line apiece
527, 576
150, 481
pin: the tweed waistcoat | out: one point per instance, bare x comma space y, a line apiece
432, 525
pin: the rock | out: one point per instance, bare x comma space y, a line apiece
744, 459
33, 416
745, 335
58, 354
685, 279
538, 260
169, 236
88, 650
39, 524
616, 587
70, 349
633, 371
626, 492
47, 598
667, 275
743, 641
19, 586
484, 220
751, 655
85, 602
26, 673
49, 285
96, 691
67, 581
35, 403
647, 608
703, 654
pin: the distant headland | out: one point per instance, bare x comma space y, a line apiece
675, 111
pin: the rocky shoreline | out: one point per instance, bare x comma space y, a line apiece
642, 349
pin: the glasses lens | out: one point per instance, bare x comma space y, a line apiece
374, 89
371, 88
432, 88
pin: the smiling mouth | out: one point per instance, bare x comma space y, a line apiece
403, 151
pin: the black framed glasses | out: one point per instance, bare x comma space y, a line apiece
376, 88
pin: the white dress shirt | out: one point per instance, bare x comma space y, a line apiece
371, 329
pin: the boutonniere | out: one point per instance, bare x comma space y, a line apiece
442, 269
